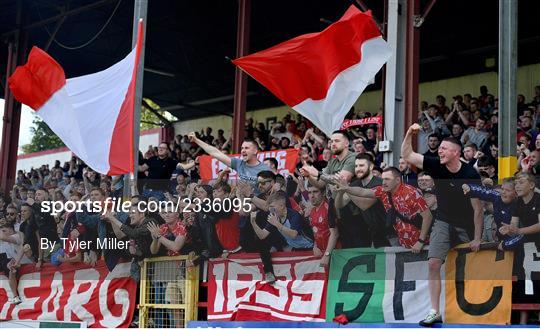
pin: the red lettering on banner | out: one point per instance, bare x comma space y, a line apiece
237, 291
72, 292
360, 122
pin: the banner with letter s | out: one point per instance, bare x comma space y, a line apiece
236, 290
391, 285
287, 159
72, 292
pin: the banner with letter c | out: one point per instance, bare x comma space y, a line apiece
479, 287
385, 285
391, 285
287, 160
72, 292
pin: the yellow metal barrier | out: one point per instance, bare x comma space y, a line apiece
169, 292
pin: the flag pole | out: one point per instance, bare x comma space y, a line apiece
139, 13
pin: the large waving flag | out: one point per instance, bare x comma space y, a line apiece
92, 114
321, 75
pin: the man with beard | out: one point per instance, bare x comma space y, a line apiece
405, 208
526, 127
457, 215
470, 152
247, 168
257, 219
365, 227
408, 176
433, 146
340, 167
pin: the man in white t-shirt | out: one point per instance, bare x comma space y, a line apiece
11, 256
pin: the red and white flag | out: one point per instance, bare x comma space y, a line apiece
321, 75
92, 114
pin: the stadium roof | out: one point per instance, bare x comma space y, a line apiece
187, 42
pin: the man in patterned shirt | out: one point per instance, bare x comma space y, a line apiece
402, 203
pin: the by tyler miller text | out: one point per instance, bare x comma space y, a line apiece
72, 245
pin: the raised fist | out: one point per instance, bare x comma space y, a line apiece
415, 128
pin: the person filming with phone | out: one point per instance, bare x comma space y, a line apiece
285, 230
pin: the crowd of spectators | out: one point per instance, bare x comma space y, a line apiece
342, 194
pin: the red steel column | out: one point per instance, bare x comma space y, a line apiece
5, 182
411, 67
12, 119
240, 82
12, 109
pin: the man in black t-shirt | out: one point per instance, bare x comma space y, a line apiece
457, 217
526, 215
42, 226
160, 169
433, 146
526, 222
259, 212
364, 225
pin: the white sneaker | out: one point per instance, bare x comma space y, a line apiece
431, 318
269, 278
15, 300
235, 250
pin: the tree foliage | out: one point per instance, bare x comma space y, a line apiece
148, 119
43, 138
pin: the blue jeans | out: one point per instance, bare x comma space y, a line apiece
161, 314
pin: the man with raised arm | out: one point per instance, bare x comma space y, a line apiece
457, 215
247, 168
340, 167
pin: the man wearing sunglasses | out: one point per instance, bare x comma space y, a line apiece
12, 215
258, 218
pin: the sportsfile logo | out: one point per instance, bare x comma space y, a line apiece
117, 205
